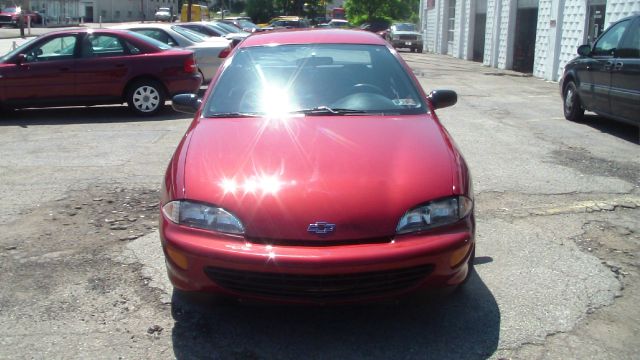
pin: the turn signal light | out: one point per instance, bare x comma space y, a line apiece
177, 258
458, 255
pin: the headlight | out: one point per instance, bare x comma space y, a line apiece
434, 214
202, 216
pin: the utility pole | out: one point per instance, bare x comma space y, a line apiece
222, 9
190, 2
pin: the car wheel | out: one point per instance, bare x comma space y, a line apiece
146, 97
5, 110
571, 103
419, 50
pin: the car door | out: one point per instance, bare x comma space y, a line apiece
46, 75
625, 76
102, 67
600, 69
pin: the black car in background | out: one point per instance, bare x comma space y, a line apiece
605, 77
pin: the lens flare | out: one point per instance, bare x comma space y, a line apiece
264, 184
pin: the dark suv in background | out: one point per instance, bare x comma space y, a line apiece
605, 77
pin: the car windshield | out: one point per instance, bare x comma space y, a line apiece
189, 34
229, 28
17, 50
287, 23
313, 79
247, 24
152, 41
219, 28
405, 27
10, 10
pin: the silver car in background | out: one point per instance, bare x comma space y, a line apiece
206, 49
405, 35
212, 28
164, 14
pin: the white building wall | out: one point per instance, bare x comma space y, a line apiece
542, 37
431, 30
507, 33
492, 37
458, 28
441, 40
573, 34
617, 9
467, 33
561, 28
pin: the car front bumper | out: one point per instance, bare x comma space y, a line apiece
407, 43
199, 260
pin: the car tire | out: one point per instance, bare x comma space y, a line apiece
5, 110
146, 97
571, 104
419, 50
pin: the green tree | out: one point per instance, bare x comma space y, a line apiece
260, 11
371, 10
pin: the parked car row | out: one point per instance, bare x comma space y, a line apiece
140, 64
205, 48
92, 67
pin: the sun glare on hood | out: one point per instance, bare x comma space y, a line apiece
262, 185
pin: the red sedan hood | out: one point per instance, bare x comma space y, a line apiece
279, 176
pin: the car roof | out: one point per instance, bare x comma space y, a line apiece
88, 30
313, 36
149, 25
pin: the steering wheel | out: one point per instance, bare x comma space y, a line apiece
370, 88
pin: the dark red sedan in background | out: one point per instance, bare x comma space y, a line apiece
93, 67
316, 171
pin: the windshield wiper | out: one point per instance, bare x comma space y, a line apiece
231, 115
325, 110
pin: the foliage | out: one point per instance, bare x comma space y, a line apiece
237, 6
359, 11
260, 11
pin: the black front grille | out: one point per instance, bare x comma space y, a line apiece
5, 18
319, 287
408, 37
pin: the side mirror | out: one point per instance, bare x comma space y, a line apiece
584, 50
442, 98
21, 59
186, 103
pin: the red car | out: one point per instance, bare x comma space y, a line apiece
316, 171
92, 67
11, 16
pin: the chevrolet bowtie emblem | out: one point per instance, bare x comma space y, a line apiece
321, 228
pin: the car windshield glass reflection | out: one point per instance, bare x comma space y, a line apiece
405, 27
189, 34
325, 79
18, 50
